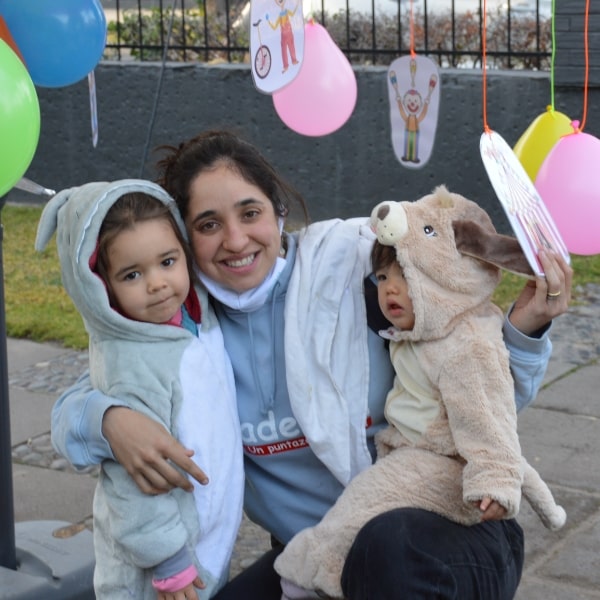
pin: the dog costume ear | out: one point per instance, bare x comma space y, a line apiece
503, 251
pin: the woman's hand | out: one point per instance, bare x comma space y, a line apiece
544, 298
146, 450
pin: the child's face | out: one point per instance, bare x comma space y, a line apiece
392, 293
147, 272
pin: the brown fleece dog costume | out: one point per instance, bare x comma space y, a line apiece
451, 256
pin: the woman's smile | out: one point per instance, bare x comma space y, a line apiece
236, 263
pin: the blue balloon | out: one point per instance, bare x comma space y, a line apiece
61, 40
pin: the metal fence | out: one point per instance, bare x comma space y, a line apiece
518, 32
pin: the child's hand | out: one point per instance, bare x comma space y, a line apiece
491, 510
187, 593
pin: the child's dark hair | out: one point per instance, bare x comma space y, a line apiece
182, 164
382, 256
129, 210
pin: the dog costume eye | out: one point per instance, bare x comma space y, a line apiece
429, 231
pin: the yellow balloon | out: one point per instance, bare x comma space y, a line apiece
539, 138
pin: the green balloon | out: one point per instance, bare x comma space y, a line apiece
19, 118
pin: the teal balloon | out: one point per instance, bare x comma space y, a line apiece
19, 118
61, 40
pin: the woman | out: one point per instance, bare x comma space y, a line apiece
317, 284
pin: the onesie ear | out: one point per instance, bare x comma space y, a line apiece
503, 251
49, 218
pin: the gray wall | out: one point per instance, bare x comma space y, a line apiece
343, 174
569, 26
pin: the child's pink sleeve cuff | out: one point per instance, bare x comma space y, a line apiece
176, 582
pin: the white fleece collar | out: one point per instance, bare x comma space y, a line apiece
249, 300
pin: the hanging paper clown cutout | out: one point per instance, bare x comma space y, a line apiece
276, 42
414, 92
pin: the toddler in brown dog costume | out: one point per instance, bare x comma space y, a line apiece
451, 446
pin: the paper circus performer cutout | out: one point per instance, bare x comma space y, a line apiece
276, 43
414, 92
529, 218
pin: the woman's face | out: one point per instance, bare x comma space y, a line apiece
233, 229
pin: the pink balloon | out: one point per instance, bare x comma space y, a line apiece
322, 96
567, 181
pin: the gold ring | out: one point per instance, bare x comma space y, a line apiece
553, 295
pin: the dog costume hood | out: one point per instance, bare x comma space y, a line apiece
451, 256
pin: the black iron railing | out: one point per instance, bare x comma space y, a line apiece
449, 31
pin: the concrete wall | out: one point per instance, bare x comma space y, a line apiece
343, 174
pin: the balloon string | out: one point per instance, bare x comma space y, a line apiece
587, 64
411, 25
553, 55
483, 61
158, 90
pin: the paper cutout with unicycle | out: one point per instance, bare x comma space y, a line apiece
414, 94
276, 43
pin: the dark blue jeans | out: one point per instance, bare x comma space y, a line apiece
412, 554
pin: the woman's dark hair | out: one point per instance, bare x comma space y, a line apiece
382, 256
123, 215
181, 165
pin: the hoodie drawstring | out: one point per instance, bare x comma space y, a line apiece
267, 398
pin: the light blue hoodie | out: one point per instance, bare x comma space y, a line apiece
183, 381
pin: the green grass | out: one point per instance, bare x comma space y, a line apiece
38, 308
586, 269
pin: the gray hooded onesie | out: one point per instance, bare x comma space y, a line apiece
183, 381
